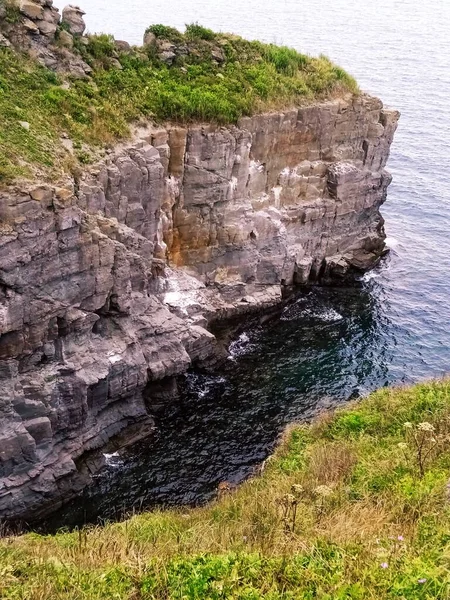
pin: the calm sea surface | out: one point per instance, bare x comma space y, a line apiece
331, 345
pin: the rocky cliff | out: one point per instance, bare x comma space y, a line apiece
109, 280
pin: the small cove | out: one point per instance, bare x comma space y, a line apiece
329, 345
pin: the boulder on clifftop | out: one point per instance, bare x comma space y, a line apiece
72, 16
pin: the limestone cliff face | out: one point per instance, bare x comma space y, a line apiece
107, 283
282, 198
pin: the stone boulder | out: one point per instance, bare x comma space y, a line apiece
36, 33
149, 39
65, 39
122, 46
47, 28
72, 16
4, 43
30, 9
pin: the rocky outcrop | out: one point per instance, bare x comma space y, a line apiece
282, 198
107, 283
72, 17
36, 26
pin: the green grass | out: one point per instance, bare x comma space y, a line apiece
342, 511
12, 12
218, 78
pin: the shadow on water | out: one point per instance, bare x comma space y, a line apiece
321, 349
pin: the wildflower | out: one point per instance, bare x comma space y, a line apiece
297, 489
400, 538
421, 580
402, 446
323, 490
288, 499
408, 425
425, 426
384, 565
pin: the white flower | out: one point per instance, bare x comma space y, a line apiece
323, 490
408, 425
402, 446
425, 426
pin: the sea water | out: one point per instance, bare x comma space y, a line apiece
329, 345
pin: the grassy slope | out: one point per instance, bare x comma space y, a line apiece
367, 525
96, 112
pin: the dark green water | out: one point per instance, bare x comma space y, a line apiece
331, 345
322, 349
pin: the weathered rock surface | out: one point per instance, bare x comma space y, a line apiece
38, 29
72, 16
107, 283
282, 198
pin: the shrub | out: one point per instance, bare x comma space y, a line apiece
286, 60
101, 46
194, 30
164, 31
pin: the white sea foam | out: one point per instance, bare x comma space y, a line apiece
391, 242
203, 384
330, 315
209, 384
113, 460
298, 311
240, 346
370, 276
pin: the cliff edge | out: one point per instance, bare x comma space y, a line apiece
110, 275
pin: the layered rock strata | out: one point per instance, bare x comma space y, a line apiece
107, 283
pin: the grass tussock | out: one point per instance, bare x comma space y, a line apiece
343, 510
214, 77
11, 11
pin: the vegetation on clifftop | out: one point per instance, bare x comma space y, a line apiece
355, 506
213, 77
